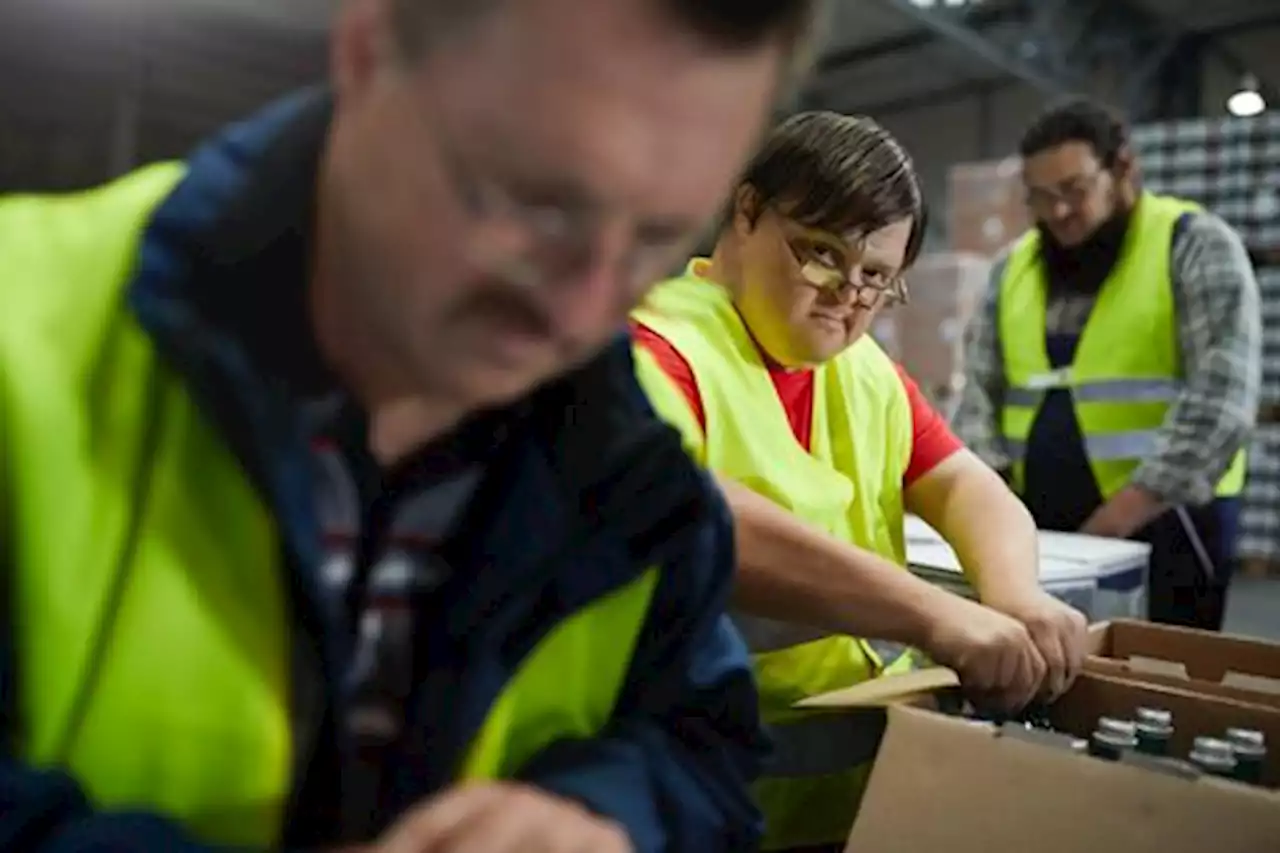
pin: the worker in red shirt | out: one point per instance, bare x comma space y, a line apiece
758, 355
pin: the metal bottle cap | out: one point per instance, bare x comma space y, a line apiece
1114, 733
1113, 725
1155, 717
1213, 754
1246, 737
1147, 728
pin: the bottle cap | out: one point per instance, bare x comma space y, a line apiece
1213, 753
1212, 746
1118, 740
1153, 729
1155, 716
1246, 737
1113, 725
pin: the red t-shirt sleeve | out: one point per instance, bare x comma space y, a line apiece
674, 365
932, 441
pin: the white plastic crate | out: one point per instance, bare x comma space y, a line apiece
1103, 578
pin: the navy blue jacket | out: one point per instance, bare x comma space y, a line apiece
587, 491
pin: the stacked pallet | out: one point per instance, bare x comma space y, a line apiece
946, 288
986, 210
1232, 167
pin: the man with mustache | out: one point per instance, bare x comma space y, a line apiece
1113, 372
330, 511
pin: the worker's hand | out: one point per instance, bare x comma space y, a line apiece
1060, 633
502, 818
1128, 511
997, 661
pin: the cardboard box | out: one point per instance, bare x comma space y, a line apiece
987, 207
944, 782
1201, 661
1194, 714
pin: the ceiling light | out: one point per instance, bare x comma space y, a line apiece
1247, 101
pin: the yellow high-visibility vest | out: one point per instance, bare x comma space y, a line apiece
849, 484
151, 621
1127, 368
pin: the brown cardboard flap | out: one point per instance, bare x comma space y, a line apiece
878, 692
1214, 663
1155, 666
940, 783
1252, 683
1139, 665
1241, 688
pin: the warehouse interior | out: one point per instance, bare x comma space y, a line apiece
957, 81
91, 90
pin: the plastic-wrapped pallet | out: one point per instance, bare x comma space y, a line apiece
928, 331
986, 206
1259, 544
1230, 165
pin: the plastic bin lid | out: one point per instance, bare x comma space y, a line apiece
1064, 557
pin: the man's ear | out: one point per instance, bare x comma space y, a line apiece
746, 208
1126, 165
358, 45
1126, 173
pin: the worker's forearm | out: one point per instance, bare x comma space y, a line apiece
790, 571
993, 535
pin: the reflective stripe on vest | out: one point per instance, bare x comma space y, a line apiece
153, 655
1099, 391
848, 484
1111, 447
1127, 362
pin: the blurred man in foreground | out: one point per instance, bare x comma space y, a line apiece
1113, 372
324, 490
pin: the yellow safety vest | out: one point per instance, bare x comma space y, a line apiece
152, 627
1127, 365
849, 484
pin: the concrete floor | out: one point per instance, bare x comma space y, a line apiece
1254, 608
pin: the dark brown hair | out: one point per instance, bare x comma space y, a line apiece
838, 173
1077, 119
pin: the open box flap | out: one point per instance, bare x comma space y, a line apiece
1234, 666
889, 689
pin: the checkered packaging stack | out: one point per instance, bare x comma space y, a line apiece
1232, 167
1260, 512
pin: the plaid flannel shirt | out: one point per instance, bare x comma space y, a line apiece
1219, 333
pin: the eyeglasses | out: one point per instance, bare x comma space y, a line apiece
1045, 200
832, 265
533, 244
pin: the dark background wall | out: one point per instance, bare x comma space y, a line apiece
90, 88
